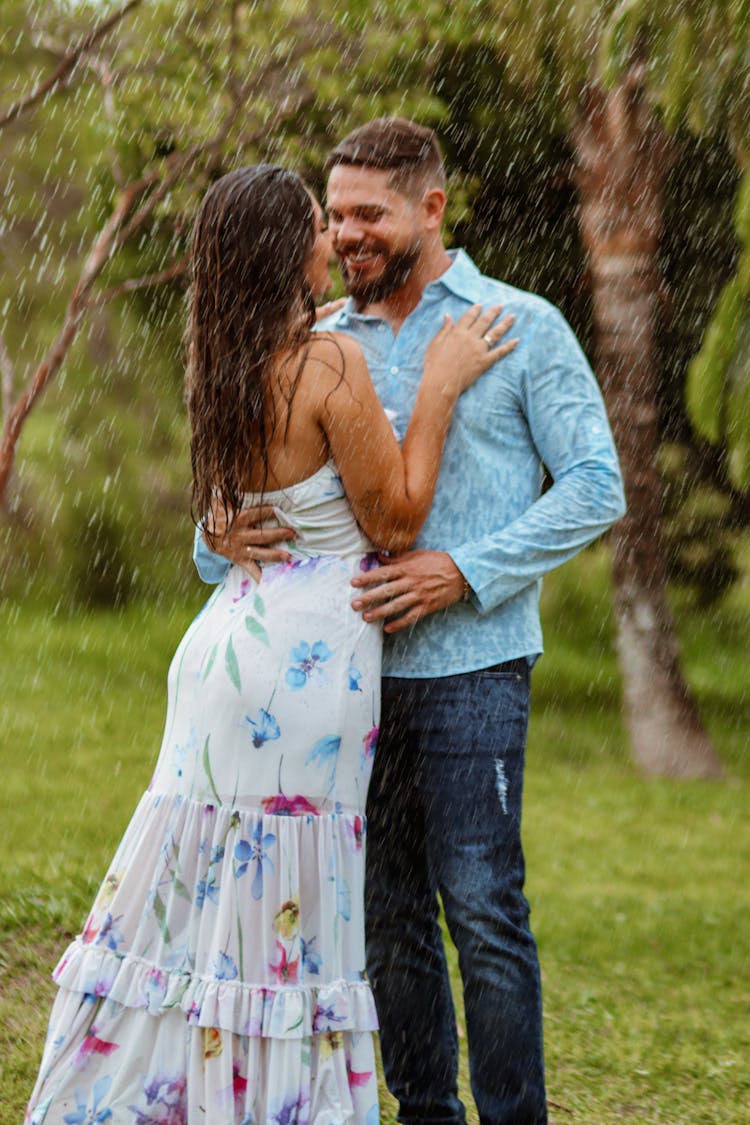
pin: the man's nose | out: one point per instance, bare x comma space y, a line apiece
347, 230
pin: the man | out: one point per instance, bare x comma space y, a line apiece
461, 613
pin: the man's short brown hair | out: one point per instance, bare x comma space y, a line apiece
410, 152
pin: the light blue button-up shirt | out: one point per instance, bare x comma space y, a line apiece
540, 406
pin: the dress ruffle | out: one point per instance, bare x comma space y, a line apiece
264, 1011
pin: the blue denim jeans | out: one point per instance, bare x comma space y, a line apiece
444, 817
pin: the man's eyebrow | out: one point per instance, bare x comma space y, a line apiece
361, 209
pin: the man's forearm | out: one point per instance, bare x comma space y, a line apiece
576, 510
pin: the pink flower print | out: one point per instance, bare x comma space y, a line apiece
90, 930
357, 1078
92, 1045
370, 742
281, 805
244, 587
285, 971
239, 1087
355, 830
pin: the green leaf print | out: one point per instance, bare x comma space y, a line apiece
232, 667
180, 888
211, 658
259, 605
183, 989
160, 911
257, 630
209, 775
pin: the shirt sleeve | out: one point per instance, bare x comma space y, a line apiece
211, 568
568, 425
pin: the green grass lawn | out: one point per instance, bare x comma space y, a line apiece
639, 889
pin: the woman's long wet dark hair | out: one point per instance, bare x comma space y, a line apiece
249, 302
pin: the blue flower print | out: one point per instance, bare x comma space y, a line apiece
257, 851
207, 889
109, 934
181, 751
311, 959
86, 1116
289, 1112
325, 750
264, 728
166, 1099
156, 990
354, 676
343, 899
224, 967
306, 661
326, 1018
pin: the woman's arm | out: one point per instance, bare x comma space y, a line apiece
390, 488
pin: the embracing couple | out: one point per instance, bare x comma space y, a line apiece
221, 975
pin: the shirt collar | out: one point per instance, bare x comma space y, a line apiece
462, 278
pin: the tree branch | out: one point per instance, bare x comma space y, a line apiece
177, 269
48, 368
66, 65
6, 379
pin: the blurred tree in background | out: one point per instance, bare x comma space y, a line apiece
556, 120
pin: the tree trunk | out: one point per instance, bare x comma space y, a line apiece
622, 154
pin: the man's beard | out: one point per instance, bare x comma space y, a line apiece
396, 272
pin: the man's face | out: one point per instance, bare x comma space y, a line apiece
377, 232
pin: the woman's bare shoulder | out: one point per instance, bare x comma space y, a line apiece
335, 349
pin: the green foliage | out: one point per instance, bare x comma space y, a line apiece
718, 385
698, 528
696, 53
102, 575
707, 372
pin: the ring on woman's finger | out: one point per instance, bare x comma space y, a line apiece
489, 339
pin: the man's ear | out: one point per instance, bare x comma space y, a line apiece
433, 205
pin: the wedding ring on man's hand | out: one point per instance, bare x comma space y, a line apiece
489, 341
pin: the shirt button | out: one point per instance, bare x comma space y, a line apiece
394, 371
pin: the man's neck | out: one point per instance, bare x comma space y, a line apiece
396, 308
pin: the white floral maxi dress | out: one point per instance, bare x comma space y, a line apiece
220, 974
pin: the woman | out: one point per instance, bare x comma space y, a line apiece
220, 975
